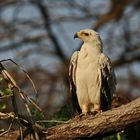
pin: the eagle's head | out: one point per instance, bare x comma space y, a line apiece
87, 35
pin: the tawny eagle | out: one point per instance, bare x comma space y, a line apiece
92, 79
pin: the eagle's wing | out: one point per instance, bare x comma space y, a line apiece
108, 82
72, 79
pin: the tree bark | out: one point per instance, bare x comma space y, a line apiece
102, 124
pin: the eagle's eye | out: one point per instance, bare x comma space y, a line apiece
86, 34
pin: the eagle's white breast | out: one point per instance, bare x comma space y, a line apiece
88, 77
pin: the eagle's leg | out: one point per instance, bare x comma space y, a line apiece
84, 109
82, 96
94, 108
97, 107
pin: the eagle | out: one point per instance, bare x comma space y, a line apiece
91, 76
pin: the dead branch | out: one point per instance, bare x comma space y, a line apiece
115, 13
47, 23
102, 124
4, 116
125, 60
32, 127
26, 73
16, 45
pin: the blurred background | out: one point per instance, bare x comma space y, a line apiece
38, 35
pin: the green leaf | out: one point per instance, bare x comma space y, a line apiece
1, 92
8, 91
2, 107
1, 78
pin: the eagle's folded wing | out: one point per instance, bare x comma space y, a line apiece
72, 79
108, 82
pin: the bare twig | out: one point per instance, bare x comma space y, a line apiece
7, 75
4, 116
26, 73
51, 121
6, 131
6, 96
21, 133
12, 84
30, 124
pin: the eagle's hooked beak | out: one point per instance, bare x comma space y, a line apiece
76, 35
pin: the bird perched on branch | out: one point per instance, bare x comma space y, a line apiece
92, 79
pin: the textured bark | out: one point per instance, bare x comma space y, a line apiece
102, 124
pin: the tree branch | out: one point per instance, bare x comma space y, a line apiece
102, 124
116, 11
125, 60
47, 23
16, 45
4, 116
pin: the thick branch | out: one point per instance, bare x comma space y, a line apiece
102, 124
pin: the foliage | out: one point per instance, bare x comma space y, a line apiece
63, 114
58, 117
2, 107
118, 136
37, 115
5, 91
